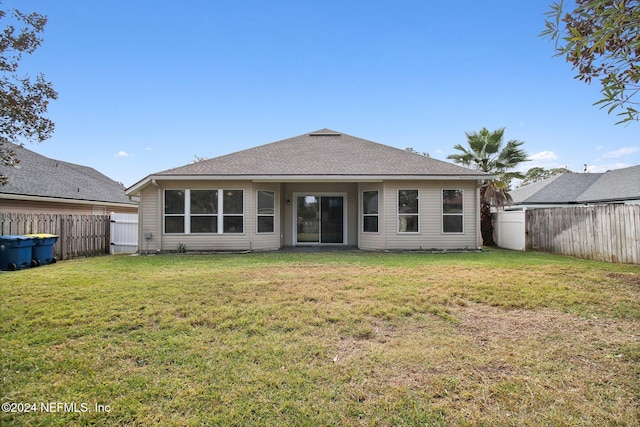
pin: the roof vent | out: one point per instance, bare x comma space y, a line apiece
325, 133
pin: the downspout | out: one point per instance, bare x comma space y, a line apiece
480, 183
158, 212
253, 203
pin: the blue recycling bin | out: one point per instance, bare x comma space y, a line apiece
42, 252
16, 252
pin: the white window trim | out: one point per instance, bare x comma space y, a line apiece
222, 215
188, 209
363, 215
450, 214
258, 214
165, 215
398, 213
187, 212
345, 224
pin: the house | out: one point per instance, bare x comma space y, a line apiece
43, 185
319, 188
572, 189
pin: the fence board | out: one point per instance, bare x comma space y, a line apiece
79, 235
604, 233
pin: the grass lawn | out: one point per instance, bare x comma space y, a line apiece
322, 339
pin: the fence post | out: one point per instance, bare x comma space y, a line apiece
63, 238
107, 234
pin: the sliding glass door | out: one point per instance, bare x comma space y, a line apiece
320, 219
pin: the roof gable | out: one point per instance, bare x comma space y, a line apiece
41, 176
323, 153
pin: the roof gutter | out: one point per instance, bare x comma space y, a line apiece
153, 179
24, 197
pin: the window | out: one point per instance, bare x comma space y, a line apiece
452, 212
232, 211
408, 215
266, 211
174, 211
198, 211
204, 210
370, 211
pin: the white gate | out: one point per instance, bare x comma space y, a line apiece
124, 233
509, 229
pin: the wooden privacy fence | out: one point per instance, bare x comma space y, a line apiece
79, 235
603, 232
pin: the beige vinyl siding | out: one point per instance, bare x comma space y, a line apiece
372, 241
430, 235
149, 221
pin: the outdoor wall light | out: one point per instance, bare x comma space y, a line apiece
288, 202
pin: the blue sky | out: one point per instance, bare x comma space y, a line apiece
145, 86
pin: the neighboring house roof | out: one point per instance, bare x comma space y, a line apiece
618, 184
323, 154
572, 188
38, 176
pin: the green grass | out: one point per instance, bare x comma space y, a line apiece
490, 338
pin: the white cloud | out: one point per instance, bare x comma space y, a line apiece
624, 151
123, 154
608, 167
544, 156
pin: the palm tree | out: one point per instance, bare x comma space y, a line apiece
486, 153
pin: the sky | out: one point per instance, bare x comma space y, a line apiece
146, 86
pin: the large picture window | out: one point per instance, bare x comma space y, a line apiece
452, 211
266, 212
370, 211
408, 214
203, 211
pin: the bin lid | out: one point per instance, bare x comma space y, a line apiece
16, 237
41, 235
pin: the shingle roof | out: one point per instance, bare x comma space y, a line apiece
617, 184
323, 153
614, 185
41, 176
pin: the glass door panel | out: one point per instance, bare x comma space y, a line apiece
320, 219
308, 228
331, 214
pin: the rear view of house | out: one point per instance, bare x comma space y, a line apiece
320, 188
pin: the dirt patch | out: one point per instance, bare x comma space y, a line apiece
630, 278
573, 350
488, 325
